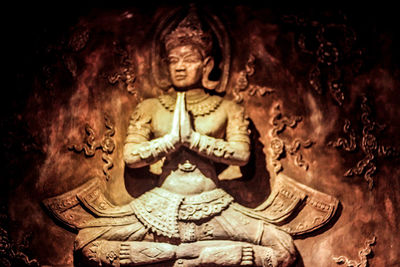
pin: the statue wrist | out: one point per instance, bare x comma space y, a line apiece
155, 148
171, 140
193, 140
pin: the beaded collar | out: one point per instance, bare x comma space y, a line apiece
199, 104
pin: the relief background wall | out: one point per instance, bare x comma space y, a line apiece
72, 64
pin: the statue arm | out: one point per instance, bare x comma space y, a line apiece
139, 150
219, 150
146, 153
233, 150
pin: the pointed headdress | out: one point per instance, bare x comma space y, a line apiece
189, 32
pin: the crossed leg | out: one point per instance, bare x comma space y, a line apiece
229, 239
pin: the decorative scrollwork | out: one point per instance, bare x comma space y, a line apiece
368, 143
280, 122
242, 82
294, 150
346, 144
126, 73
107, 145
278, 147
12, 253
333, 46
362, 254
89, 146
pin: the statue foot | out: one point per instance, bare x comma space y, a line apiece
207, 253
220, 253
142, 253
115, 253
226, 253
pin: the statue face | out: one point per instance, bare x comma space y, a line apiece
185, 66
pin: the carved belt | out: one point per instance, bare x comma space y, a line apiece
160, 209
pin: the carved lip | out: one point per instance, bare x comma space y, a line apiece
180, 77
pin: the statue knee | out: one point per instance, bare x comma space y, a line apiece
287, 243
283, 249
287, 256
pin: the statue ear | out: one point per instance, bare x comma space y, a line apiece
208, 65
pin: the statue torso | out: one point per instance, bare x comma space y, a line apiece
185, 172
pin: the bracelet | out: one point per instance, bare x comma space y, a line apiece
206, 144
211, 146
154, 148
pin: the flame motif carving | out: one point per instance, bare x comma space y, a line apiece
126, 73
279, 148
362, 254
368, 142
330, 54
13, 253
243, 84
107, 145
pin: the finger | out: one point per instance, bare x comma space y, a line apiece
185, 122
183, 101
177, 103
175, 120
184, 114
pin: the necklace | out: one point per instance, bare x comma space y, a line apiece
199, 104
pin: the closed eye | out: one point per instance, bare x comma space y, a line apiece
173, 60
191, 59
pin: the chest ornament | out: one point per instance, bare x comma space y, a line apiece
198, 107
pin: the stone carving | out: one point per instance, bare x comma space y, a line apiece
294, 150
107, 144
188, 220
12, 253
278, 147
368, 143
242, 83
363, 256
79, 38
343, 143
126, 74
76, 42
333, 46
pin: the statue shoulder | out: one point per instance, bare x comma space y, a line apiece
148, 105
145, 109
231, 107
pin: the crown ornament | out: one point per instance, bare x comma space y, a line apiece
189, 32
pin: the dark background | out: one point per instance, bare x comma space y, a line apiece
42, 113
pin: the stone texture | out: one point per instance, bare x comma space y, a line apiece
60, 81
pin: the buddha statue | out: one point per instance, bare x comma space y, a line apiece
187, 220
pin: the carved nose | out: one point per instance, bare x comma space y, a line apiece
180, 66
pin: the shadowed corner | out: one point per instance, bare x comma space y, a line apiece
139, 180
299, 260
